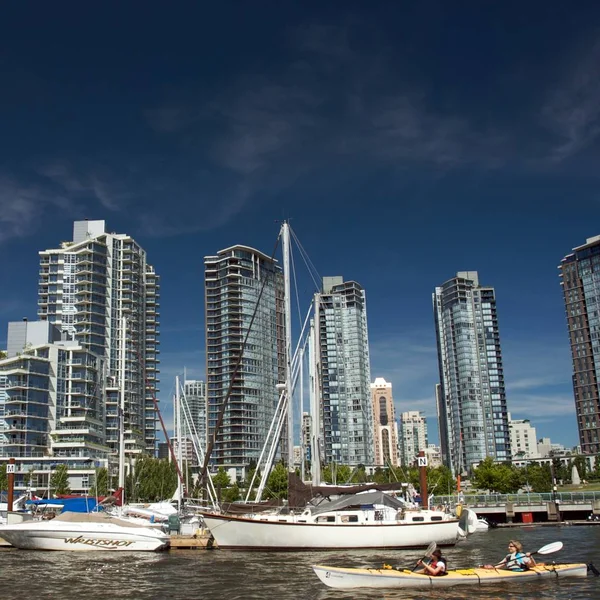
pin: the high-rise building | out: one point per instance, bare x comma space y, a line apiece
347, 411
523, 439
385, 426
237, 281
413, 436
472, 398
52, 408
580, 281
87, 287
194, 419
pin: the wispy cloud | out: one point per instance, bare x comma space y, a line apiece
23, 206
84, 183
572, 110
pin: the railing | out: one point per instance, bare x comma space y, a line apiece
502, 499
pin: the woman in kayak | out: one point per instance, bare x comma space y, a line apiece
436, 567
515, 560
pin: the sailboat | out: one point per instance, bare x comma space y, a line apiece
84, 532
342, 518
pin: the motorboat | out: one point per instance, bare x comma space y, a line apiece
365, 520
482, 525
84, 532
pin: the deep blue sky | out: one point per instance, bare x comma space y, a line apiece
406, 141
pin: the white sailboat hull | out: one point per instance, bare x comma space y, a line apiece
252, 533
83, 537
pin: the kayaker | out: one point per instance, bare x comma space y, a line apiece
436, 567
515, 560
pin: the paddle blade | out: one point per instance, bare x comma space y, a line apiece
430, 549
550, 548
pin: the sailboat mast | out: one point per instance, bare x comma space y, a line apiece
179, 440
313, 358
302, 436
122, 408
288, 343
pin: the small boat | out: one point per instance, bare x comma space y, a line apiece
80, 532
346, 578
482, 525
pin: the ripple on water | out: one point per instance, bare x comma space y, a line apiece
221, 574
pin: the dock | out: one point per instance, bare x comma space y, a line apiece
203, 541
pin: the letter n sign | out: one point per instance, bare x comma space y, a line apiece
10, 468
422, 461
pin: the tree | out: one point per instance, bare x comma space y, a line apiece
100, 487
277, 483
440, 481
503, 478
232, 494
538, 477
3, 478
3, 354
337, 474
59, 482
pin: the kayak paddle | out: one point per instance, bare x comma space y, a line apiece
547, 549
430, 550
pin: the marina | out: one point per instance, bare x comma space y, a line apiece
240, 575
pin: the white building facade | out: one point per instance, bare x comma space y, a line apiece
523, 439
413, 436
87, 287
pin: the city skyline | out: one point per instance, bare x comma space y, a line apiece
401, 151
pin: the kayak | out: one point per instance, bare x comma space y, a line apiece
344, 578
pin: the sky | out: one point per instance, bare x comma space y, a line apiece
404, 141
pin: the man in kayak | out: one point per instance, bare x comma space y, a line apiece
436, 567
515, 560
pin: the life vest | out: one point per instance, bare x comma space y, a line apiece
434, 563
517, 562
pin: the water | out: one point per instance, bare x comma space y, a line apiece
227, 575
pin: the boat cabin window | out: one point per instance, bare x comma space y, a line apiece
326, 519
436, 518
349, 519
418, 518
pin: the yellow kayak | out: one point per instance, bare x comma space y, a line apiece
344, 578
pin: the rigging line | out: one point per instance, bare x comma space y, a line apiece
309, 264
152, 390
295, 283
238, 362
196, 442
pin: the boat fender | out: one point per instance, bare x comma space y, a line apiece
387, 566
458, 510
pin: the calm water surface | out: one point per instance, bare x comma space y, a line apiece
188, 574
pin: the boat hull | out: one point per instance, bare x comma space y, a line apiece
346, 578
252, 533
29, 536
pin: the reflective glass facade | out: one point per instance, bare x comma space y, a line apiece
580, 281
472, 396
233, 283
347, 410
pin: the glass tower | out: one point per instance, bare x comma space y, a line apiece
471, 398
580, 281
347, 409
237, 280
